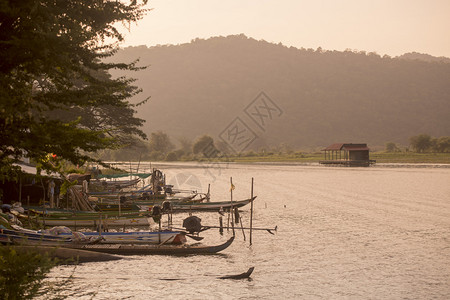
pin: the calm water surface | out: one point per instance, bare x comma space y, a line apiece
343, 233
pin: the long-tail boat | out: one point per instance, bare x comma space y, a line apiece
63, 235
211, 206
138, 237
184, 249
136, 219
29, 237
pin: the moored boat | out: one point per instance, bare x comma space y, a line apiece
96, 220
211, 206
29, 237
156, 249
138, 237
61, 235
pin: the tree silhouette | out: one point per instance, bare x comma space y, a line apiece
421, 142
51, 62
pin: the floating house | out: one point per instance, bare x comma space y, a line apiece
354, 155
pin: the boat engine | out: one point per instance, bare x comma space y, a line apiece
166, 206
156, 213
192, 224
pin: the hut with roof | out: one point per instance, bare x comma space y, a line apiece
355, 155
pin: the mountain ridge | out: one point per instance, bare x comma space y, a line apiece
325, 96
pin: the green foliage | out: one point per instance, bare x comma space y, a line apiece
172, 156
22, 273
391, 147
420, 143
441, 145
205, 146
185, 145
160, 142
55, 94
66, 185
424, 142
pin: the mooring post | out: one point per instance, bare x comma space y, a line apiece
251, 214
220, 225
242, 227
100, 225
236, 215
208, 194
159, 231
231, 208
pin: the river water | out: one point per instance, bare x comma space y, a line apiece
381, 232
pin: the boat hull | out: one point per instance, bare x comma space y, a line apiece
156, 249
212, 206
137, 237
109, 222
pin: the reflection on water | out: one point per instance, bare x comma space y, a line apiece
343, 233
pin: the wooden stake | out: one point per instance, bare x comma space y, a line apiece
208, 194
242, 227
251, 214
236, 216
231, 208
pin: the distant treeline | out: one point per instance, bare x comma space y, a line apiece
160, 147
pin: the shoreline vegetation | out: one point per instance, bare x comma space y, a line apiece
380, 157
315, 157
422, 148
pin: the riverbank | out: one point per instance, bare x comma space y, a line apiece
380, 157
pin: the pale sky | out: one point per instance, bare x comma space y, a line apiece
391, 27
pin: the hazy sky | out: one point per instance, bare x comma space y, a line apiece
390, 27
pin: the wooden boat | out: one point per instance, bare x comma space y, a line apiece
59, 212
108, 206
8, 236
156, 249
95, 220
64, 234
137, 237
108, 184
146, 205
59, 217
211, 206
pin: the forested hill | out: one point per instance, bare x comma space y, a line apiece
325, 96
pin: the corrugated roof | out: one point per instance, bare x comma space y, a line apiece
334, 147
33, 171
348, 147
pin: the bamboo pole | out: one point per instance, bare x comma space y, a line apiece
247, 228
139, 163
231, 208
242, 227
220, 225
208, 195
251, 214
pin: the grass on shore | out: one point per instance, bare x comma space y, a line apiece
380, 157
